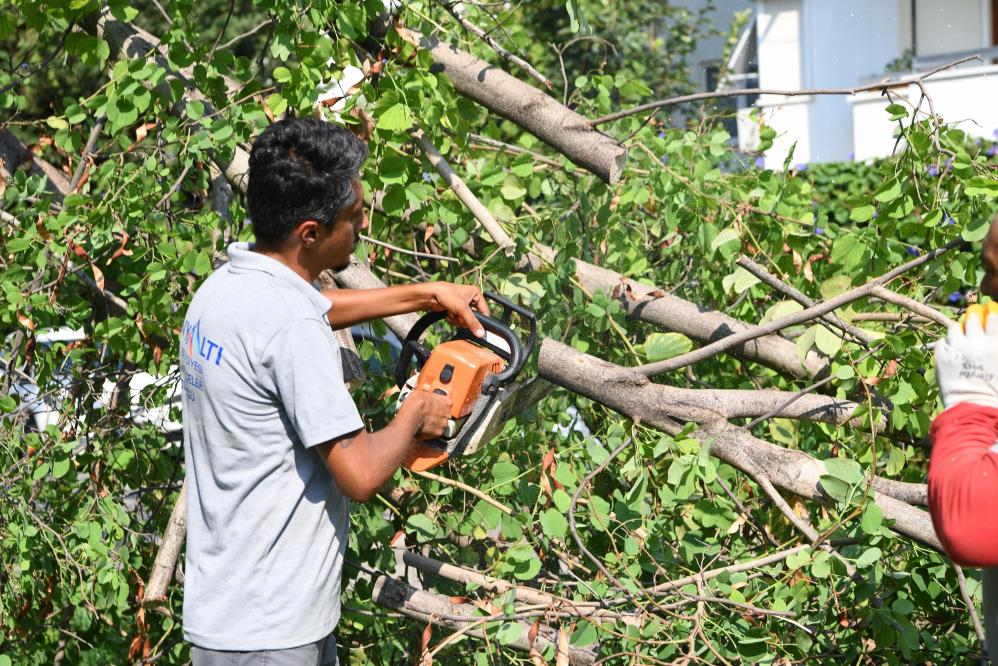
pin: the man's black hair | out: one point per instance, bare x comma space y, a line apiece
301, 169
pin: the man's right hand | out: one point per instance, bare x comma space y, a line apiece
432, 411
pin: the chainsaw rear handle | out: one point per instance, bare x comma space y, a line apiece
515, 356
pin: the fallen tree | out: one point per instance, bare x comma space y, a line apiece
645, 548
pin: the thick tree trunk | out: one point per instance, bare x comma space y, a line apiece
566, 131
793, 471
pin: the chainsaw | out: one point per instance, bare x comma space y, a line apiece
479, 375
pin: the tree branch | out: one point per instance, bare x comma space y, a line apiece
793, 471
561, 128
696, 97
430, 607
467, 197
500, 51
817, 310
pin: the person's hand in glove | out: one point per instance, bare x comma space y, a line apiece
967, 363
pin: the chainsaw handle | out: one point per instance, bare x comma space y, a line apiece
515, 356
526, 314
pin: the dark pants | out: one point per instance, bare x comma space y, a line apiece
320, 653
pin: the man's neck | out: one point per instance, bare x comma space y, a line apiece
290, 257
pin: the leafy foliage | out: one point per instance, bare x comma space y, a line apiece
84, 499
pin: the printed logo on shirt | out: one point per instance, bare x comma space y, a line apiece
193, 344
205, 347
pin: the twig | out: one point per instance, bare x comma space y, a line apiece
666, 588
248, 33
518, 150
817, 310
467, 197
413, 253
571, 516
881, 85
87, 150
791, 291
498, 48
468, 489
174, 187
971, 607
912, 305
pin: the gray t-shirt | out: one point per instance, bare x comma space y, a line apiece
266, 523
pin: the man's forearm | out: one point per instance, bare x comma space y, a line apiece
356, 306
363, 463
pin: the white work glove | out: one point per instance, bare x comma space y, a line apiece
967, 363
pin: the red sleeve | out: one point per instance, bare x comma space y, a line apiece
963, 483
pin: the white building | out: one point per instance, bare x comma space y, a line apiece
807, 44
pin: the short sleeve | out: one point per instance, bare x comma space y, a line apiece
303, 364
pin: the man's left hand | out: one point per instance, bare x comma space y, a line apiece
459, 302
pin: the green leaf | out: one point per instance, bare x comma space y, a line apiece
872, 518
56, 122
202, 265
585, 634
277, 104
282, 74
870, 556
195, 109
981, 186
739, 281
821, 566
394, 118
897, 111
889, 191
976, 230
511, 189
509, 632
422, 526
504, 471
554, 524
847, 470
837, 489
827, 341
834, 286
659, 346
8, 403
60, 466
729, 235
781, 309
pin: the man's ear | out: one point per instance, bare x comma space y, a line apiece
307, 233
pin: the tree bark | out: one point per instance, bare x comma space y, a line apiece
169, 550
653, 305
436, 608
566, 131
13, 154
793, 471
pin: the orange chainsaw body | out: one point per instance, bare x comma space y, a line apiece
458, 369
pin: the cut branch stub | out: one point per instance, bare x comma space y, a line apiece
566, 131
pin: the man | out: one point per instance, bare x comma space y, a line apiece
274, 445
963, 472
